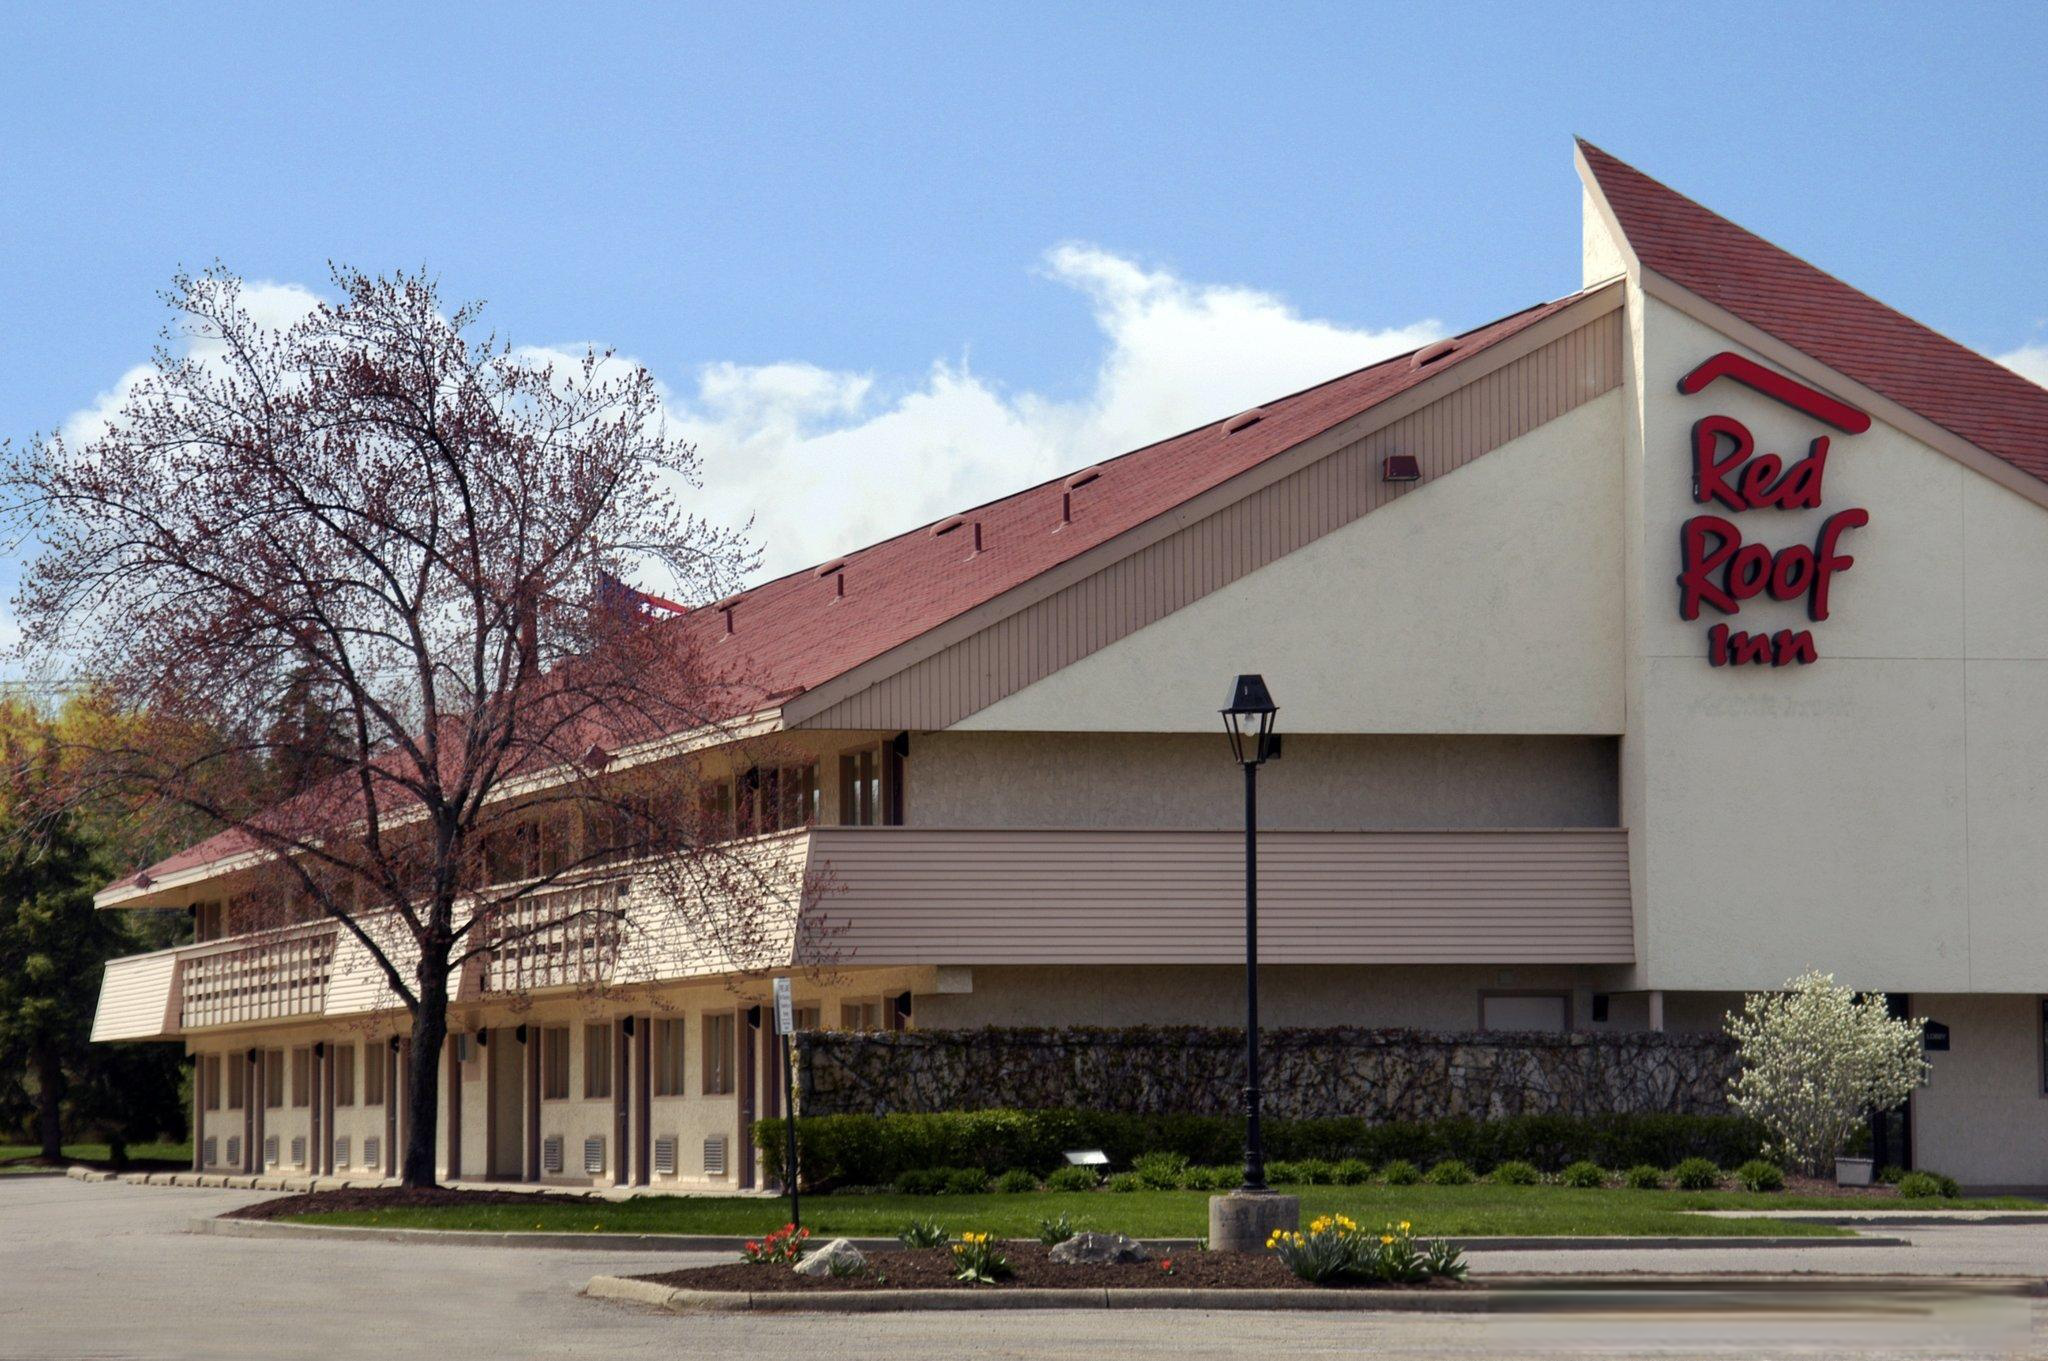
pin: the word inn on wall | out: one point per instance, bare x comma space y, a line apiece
1717, 568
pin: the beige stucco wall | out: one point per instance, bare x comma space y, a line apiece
1321, 782
1874, 814
1422, 996
1981, 1118
1485, 601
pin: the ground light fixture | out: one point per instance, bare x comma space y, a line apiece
1243, 1220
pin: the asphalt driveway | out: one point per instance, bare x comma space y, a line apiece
107, 1271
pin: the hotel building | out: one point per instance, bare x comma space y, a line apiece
1641, 648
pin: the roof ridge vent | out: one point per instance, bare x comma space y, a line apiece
948, 525
1431, 353
1244, 420
1084, 477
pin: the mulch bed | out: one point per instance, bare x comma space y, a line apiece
1032, 1268
398, 1198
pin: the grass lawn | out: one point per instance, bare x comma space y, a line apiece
22, 1157
1455, 1210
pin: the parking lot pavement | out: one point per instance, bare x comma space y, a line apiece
106, 1271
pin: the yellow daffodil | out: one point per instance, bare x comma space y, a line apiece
1386, 1238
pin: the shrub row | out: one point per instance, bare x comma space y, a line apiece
875, 1150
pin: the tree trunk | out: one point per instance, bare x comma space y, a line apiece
50, 1102
423, 1080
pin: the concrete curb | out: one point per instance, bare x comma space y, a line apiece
678, 1242
1882, 1219
1503, 1295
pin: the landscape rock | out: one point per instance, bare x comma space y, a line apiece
839, 1251
1376, 1075
1099, 1249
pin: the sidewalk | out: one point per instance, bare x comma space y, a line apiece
276, 1181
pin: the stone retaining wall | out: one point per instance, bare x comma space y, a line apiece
1309, 1074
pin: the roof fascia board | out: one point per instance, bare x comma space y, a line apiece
1804, 366
1590, 306
1606, 211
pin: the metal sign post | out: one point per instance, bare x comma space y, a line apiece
785, 1024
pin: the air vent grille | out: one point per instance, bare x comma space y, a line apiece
714, 1156
373, 1152
593, 1155
341, 1151
207, 1149
270, 1150
665, 1156
551, 1154
234, 1150
298, 1150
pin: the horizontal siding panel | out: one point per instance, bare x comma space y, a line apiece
135, 998
917, 896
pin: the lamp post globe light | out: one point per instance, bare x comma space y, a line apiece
1243, 1220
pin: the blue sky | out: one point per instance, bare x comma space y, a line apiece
890, 259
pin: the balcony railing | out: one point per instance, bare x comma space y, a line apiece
565, 938
279, 974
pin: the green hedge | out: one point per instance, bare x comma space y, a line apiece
873, 1150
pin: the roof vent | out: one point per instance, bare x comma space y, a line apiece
836, 565
948, 525
1429, 354
1244, 420
1083, 478
1400, 468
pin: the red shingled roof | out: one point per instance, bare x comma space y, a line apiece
796, 632
1851, 332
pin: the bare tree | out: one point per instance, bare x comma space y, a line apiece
358, 551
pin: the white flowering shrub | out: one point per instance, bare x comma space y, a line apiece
1816, 1059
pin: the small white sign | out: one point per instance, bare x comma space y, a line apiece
785, 1010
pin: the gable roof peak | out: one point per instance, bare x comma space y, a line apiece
1971, 396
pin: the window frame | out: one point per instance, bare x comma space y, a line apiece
671, 1073
373, 1074
554, 1063
342, 1064
302, 1077
720, 1076
1491, 994
597, 1060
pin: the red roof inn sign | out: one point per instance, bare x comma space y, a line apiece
1719, 570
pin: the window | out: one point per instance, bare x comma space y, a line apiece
237, 1078
720, 1031
597, 1061
273, 1081
860, 787
554, 1063
373, 1078
871, 786
1525, 1011
860, 1015
807, 1018
797, 796
714, 812
344, 1075
668, 1057
209, 1080
302, 1076
208, 921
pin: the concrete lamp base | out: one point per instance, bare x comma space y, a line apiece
1243, 1220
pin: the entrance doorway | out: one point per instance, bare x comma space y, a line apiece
507, 1091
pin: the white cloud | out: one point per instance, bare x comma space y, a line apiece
270, 304
825, 462
2028, 361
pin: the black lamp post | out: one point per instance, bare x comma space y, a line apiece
1249, 722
